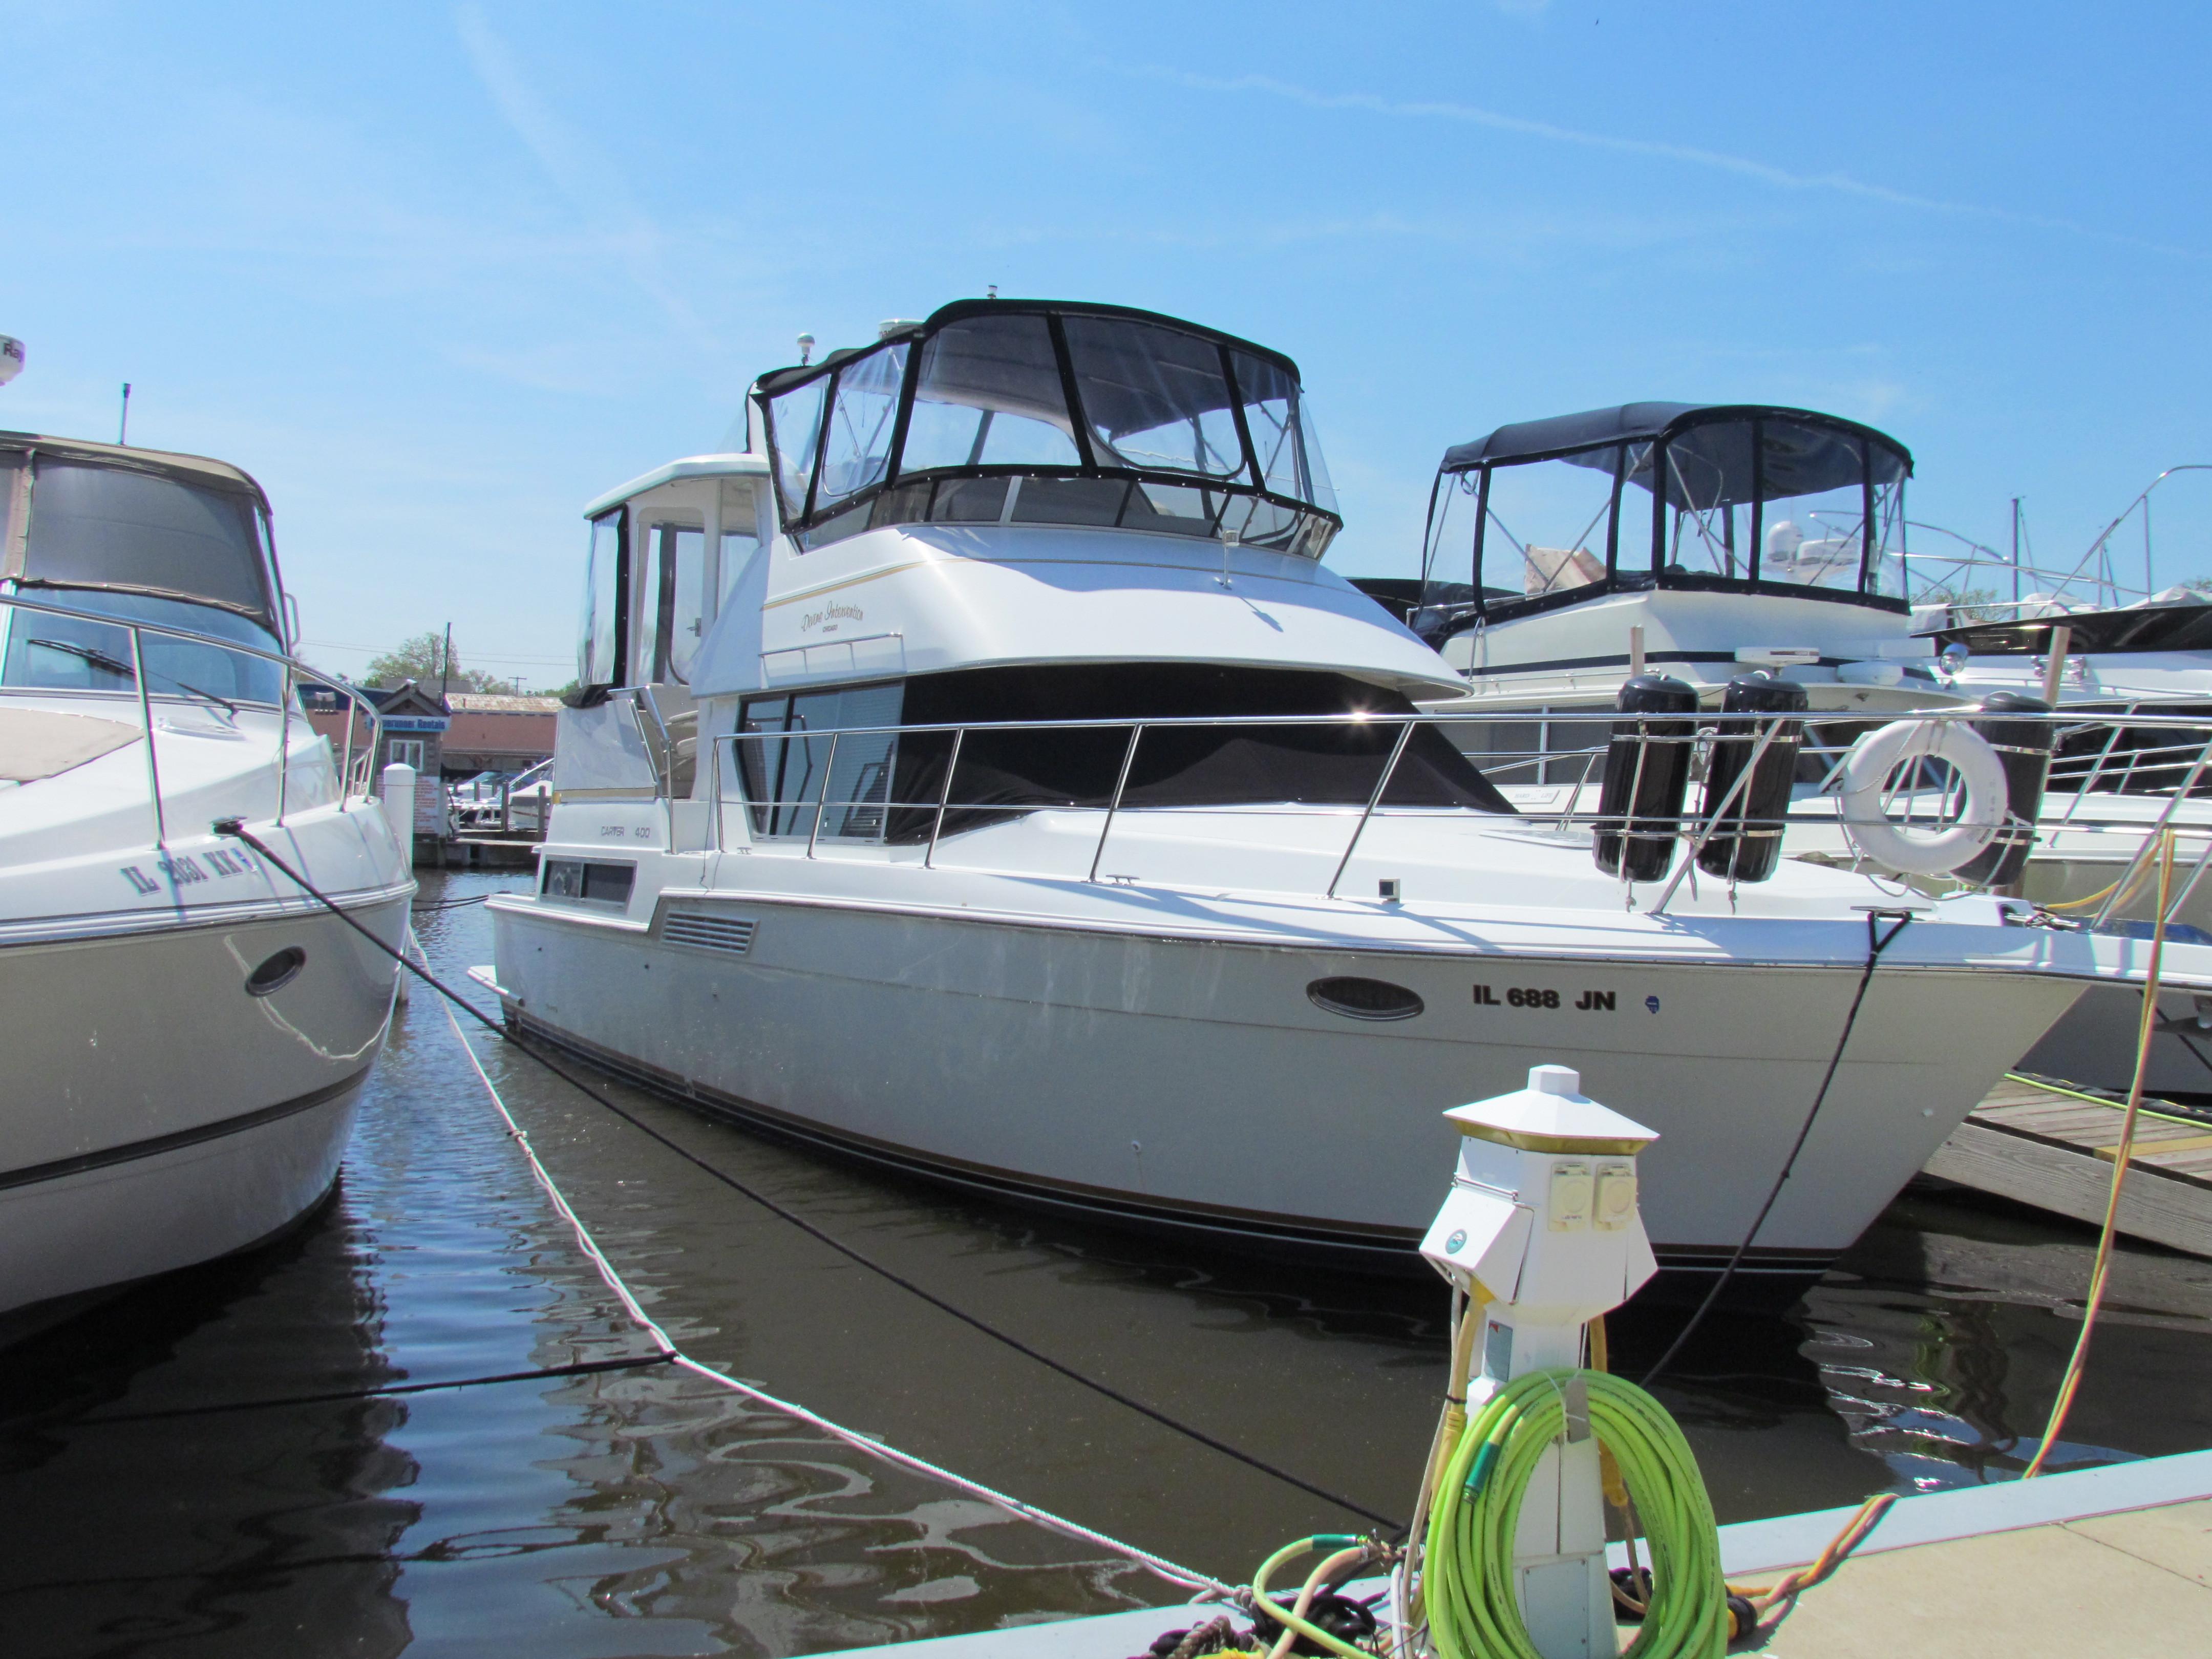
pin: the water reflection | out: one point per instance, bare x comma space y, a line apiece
647, 1511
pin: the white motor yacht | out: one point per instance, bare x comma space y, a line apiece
1777, 547
985, 777
187, 1032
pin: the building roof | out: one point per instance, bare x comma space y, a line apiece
492, 702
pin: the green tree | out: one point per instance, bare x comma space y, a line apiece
424, 660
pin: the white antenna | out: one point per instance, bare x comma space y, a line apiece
11, 358
805, 349
123, 425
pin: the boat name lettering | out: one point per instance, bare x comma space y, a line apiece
831, 615
1530, 996
624, 832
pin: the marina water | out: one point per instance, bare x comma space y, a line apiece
643, 1512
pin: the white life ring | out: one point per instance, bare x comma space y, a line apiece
1866, 780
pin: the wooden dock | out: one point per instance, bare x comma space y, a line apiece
2054, 1149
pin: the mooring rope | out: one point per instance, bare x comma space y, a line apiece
675, 1355
1875, 947
235, 827
334, 1396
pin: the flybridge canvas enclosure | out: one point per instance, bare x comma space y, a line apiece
1715, 496
1016, 411
139, 536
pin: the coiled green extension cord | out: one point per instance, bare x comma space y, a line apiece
1467, 1585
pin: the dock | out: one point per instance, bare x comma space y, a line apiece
2053, 1148
2112, 1563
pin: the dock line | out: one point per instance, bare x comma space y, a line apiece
1875, 948
581, 1368
673, 1355
235, 827
2063, 1404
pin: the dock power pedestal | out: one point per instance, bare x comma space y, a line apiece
1542, 1233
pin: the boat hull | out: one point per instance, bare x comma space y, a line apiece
1193, 1084
160, 1115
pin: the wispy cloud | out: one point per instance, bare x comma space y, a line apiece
593, 183
1743, 167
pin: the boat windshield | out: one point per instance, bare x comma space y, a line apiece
137, 540
1016, 412
1668, 495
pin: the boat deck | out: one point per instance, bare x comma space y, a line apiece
2109, 1563
2054, 1150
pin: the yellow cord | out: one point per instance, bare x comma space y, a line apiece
2063, 1403
2099, 1100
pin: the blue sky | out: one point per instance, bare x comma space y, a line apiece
439, 275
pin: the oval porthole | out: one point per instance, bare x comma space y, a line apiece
1364, 999
277, 972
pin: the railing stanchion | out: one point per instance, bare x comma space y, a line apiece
1404, 732
944, 796
1129, 758
821, 795
146, 722
283, 745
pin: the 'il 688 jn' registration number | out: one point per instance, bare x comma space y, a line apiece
1530, 996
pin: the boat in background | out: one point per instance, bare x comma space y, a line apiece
1728, 545
187, 1032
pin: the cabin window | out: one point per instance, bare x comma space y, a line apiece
121, 530
588, 880
73, 653
795, 427
600, 655
672, 600
1278, 415
856, 452
1157, 399
799, 756
989, 394
1545, 528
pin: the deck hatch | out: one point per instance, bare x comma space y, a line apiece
708, 932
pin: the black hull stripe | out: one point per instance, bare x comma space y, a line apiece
61, 1167
1391, 1247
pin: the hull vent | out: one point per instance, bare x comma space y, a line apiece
708, 932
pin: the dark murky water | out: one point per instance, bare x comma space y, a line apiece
649, 1511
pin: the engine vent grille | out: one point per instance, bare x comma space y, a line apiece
708, 932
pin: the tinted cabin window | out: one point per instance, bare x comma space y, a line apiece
1000, 772
105, 528
792, 770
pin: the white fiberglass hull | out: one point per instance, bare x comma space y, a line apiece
1123, 1062
157, 1114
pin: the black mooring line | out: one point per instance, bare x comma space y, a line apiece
236, 829
581, 1368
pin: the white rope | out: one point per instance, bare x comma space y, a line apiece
1166, 1569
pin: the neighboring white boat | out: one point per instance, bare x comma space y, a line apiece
1553, 571
985, 778
186, 1033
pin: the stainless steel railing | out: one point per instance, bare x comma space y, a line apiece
352, 782
1925, 795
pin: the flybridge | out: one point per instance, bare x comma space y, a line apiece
1020, 411
1719, 497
